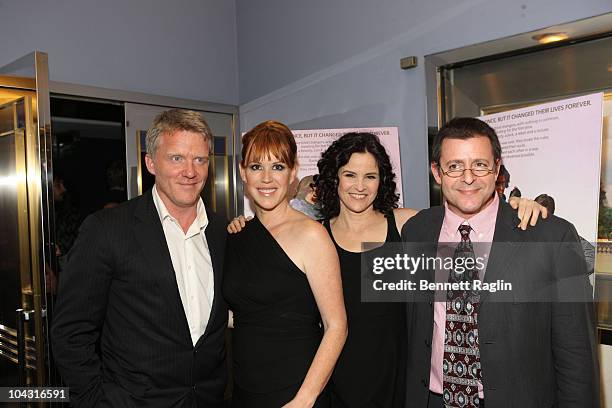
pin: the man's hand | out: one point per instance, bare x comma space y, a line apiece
528, 210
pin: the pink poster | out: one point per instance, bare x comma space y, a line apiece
555, 148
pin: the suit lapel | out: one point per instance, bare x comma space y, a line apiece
150, 235
433, 233
507, 240
425, 242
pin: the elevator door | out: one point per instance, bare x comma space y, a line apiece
26, 259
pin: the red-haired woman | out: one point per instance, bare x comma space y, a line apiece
282, 283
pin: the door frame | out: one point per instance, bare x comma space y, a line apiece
31, 74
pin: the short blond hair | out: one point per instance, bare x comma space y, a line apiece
174, 120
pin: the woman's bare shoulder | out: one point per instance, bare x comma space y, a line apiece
308, 228
305, 231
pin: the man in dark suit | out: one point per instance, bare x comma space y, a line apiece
532, 346
140, 319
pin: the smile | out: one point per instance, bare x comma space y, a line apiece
468, 192
358, 196
266, 192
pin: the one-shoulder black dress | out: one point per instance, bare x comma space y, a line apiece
371, 371
277, 327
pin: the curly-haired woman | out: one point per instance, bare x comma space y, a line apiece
356, 193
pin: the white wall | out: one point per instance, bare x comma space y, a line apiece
183, 48
335, 63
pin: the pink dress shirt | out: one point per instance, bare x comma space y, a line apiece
483, 228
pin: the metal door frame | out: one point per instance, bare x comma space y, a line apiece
39, 178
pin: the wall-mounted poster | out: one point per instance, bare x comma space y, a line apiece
311, 143
554, 149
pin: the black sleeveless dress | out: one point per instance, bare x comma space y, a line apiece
277, 326
371, 371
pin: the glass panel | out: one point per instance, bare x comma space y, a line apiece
221, 163
147, 179
527, 78
7, 122
21, 117
217, 191
86, 135
603, 264
9, 232
10, 262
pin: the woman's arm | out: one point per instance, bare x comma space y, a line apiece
320, 262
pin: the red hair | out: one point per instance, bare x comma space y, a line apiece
269, 138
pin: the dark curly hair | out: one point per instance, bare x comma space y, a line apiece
337, 155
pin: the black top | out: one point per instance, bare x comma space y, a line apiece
371, 369
276, 321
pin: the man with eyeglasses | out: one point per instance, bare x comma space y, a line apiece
530, 347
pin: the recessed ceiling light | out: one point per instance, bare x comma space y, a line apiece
547, 38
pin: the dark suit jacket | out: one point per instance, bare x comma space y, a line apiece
533, 354
119, 288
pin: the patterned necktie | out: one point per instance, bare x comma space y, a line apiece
461, 363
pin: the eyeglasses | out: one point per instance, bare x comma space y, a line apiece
457, 172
